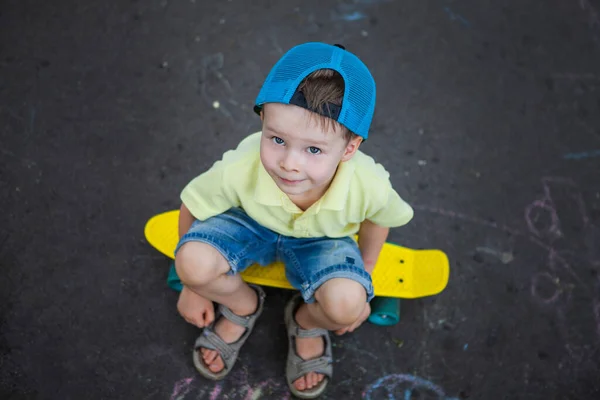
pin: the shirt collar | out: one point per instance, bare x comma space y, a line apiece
336, 196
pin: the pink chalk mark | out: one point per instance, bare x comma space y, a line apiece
556, 261
534, 284
576, 194
216, 391
555, 257
254, 393
249, 394
547, 206
181, 386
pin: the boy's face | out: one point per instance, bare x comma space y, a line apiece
299, 153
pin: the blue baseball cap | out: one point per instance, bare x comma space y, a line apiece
358, 104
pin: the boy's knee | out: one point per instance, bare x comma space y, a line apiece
199, 264
342, 300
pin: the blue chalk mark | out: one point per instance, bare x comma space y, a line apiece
391, 382
370, 1
355, 16
581, 156
453, 16
466, 346
349, 12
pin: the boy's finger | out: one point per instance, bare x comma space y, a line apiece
200, 322
354, 326
209, 316
341, 331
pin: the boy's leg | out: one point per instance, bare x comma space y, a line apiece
331, 277
203, 271
339, 303
208, 260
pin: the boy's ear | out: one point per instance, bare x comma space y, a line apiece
351, 148
262, 115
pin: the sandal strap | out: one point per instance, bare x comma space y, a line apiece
320, 365
236, 319
309, 333
210, 340
298, 367
229, 351
245, 321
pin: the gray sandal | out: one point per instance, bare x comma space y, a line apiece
296, 367
228, 351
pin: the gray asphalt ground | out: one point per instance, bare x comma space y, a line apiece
488, 119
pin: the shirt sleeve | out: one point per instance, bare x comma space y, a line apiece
215, 191
209, 194
391, 213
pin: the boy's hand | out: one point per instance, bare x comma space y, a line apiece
195, 309
365, 314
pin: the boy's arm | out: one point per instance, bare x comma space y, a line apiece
371, 238
186, 219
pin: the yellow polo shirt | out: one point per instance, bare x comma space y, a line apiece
361, 190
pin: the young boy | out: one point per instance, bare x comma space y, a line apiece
297, 192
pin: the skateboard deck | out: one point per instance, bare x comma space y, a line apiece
400, 272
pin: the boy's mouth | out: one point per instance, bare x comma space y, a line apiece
290, 182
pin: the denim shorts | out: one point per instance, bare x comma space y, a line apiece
309, 262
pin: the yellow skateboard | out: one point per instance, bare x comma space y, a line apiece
400, 272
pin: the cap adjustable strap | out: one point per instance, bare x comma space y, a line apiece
328, 110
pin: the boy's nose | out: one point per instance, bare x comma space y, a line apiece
289, 163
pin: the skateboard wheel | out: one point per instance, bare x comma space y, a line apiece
173, 280
385, 311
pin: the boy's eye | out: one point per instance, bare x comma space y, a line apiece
277, 140
314, 150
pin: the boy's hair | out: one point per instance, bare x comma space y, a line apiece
321, 87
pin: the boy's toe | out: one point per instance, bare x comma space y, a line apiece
208, 355
217, 365
314, 379
212, 359
300, 384
308, 381
320, 378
